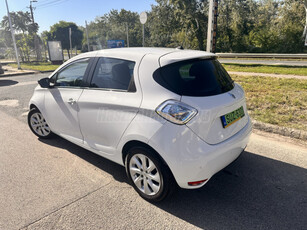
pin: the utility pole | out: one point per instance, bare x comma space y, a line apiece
31, 9
36, 45
70, 44
86, 30
212, 26
143, 35
127, 34
45, 47
13, 35
143, 20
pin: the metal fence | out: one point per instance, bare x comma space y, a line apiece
261, 55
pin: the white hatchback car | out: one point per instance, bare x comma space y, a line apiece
168, 115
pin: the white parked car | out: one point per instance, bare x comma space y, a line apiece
168, 115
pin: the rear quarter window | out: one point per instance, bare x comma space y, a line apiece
197, 77
114, 74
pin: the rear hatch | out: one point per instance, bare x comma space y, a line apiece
204, 84
209, 124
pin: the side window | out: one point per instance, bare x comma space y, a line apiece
72, 76
111, 73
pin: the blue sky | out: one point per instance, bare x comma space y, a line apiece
49, 12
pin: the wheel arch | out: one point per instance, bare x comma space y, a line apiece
40, 108
135, 143
33, 106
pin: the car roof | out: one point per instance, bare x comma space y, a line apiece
165, 55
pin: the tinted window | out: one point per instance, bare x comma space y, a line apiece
198, 77
72, 76
112, 73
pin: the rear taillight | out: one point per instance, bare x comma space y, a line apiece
176, 112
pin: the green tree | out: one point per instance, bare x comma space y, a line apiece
5, 39
23, 26
112, 26
305, 28
291, 26
60, 32
243, 25
161, 24
265, 35
236, 19
192, 19
178, 23
24, 41
21, 22
131, 19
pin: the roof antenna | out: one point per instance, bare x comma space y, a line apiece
179, 48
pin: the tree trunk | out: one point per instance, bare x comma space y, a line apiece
68, 51
199, 36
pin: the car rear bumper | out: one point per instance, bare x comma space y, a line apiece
190, 158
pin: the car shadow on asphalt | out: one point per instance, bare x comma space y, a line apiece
115, 170
254, 192
7, 82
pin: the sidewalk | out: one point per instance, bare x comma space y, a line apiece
268, 75
11, 71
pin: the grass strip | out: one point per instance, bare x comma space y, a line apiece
276, 101
41, 66
274, 69
264, 59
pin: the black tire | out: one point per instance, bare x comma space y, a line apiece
38, 124
144, 178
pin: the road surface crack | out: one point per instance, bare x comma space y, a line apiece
64, 206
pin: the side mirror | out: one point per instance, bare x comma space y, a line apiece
44, 83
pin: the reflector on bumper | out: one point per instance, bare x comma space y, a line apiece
196, 183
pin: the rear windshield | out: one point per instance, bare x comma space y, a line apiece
197, 77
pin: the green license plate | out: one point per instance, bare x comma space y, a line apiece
232, 117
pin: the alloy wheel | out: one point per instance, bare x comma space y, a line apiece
145, 174
39, 125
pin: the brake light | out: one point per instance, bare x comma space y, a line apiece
176, 112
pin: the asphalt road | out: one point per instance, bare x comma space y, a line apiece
265, 62
57, 185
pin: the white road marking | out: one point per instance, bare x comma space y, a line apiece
24, 114
21, 84
25, 83
10, 103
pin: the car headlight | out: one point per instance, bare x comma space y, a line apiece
176, 112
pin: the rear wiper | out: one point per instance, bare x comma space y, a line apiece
228, 83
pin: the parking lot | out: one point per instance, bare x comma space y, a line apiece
54, 184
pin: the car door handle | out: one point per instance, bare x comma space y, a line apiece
71, 101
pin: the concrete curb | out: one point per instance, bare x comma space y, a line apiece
24, 73
17, 74
47, 71
284, 131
